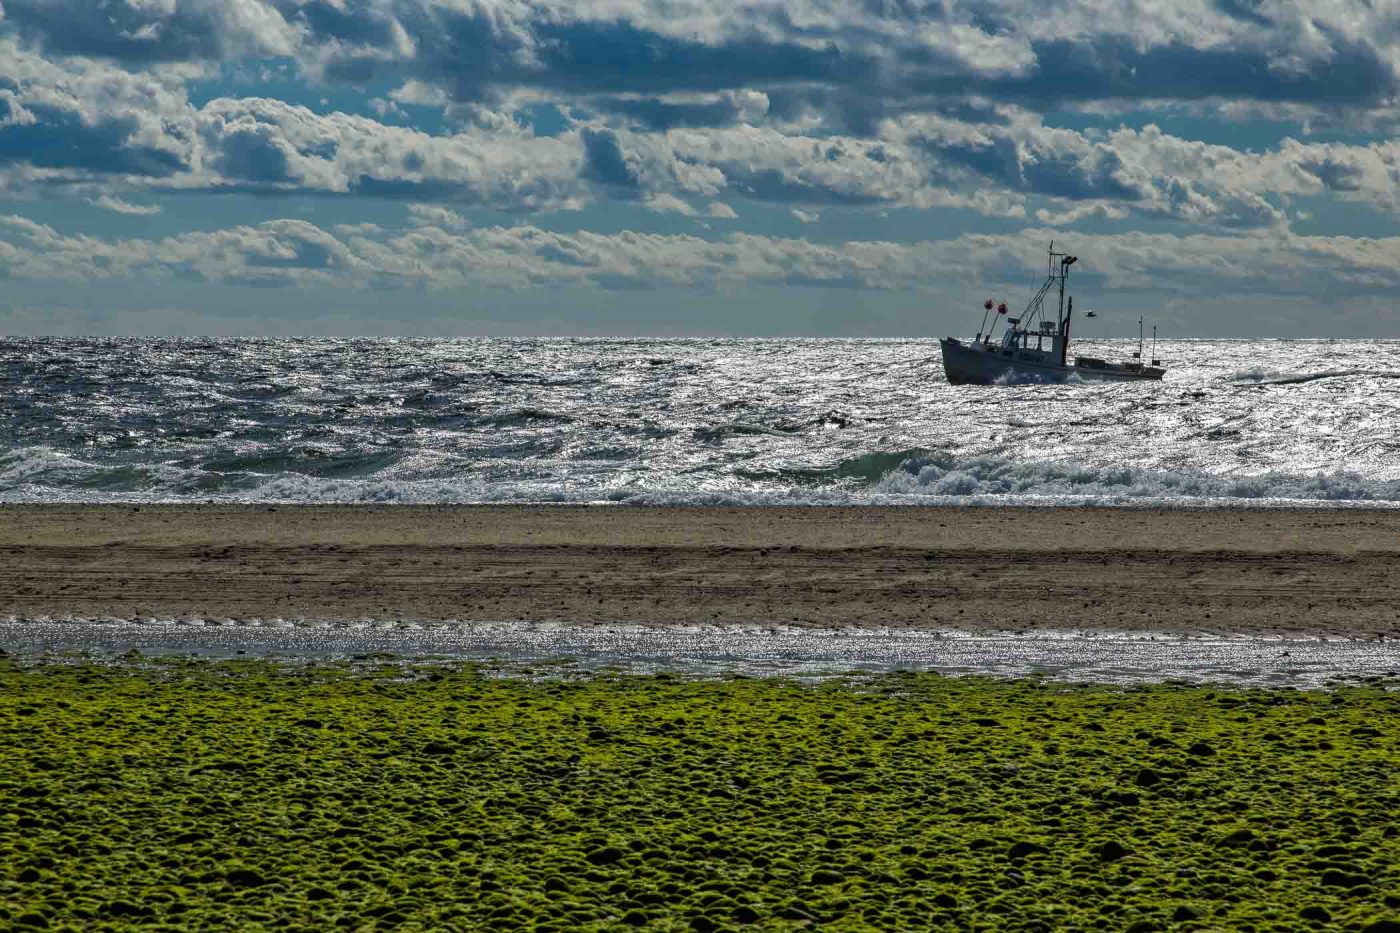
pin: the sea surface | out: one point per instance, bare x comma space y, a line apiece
1268, 422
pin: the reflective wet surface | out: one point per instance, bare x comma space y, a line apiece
750, 651
686, 421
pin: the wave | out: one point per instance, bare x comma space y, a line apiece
1259, 376
719, 432
908, 477
992, 476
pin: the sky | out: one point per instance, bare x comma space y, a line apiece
695, 167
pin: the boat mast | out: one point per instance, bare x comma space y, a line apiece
1060, 315
1060, 276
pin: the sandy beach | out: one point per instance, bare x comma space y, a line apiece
1330, 573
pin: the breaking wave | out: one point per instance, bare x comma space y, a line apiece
781, 422
917, 477
990, 478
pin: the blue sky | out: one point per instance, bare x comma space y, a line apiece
615, 167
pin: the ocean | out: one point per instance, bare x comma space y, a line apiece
704, 421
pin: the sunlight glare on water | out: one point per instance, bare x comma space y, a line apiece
686, 421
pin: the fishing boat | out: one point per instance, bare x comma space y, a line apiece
1035, 348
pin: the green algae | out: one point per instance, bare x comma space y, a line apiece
252, 795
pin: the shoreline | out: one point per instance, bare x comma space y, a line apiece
543, 651
1273, 573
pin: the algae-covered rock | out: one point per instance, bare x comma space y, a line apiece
605, 855
1025, 848
1111, 851
1147, 777
213, 796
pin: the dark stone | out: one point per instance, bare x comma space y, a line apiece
309, 723
245, 878
1366, 732
1343, 879
1315, 913
1147, 778
826, 876
1240, 837
635, 918
604, 856
29, 875
1200, 750
702, 924
1186, 912
437, 748
124, 909
1024, 849
1111, 851
1382, 926
945, 899
986, 723
745, 914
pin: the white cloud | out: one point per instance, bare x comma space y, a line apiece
663, 203
1308, 273
433, 215
804, 105
110, 203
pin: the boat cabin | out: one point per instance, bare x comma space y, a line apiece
1041, 344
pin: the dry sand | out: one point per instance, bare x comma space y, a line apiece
1256, 572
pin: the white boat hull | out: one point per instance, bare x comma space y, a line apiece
973, 364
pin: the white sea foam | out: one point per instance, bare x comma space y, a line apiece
935, 480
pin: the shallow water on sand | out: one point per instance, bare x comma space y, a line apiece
733, 650
686, 421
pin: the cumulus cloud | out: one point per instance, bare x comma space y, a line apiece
635, 56
86, 123
142, 31
1322, 270
693, 108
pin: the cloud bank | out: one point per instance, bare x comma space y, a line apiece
1221, 128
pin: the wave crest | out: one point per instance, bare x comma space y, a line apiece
990, 476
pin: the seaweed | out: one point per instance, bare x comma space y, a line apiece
248, 794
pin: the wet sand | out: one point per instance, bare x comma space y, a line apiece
1282, 573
